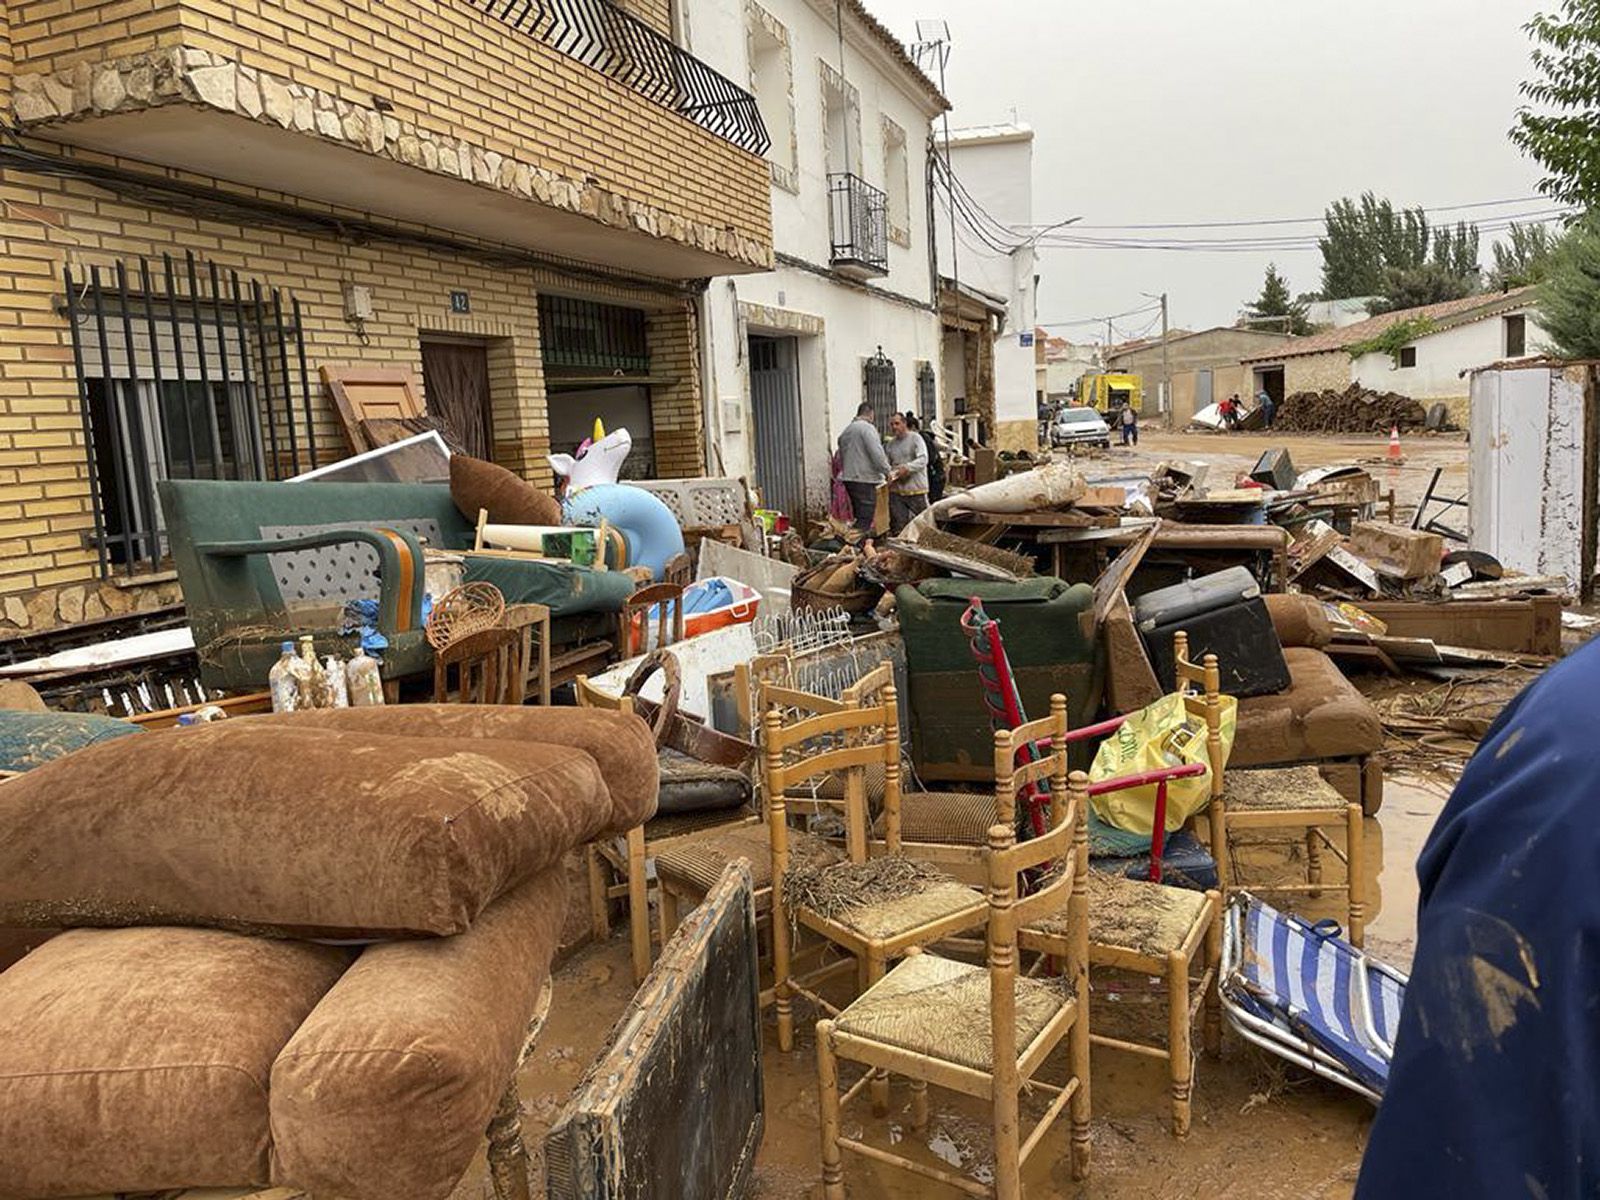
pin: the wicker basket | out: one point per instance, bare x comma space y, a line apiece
471, 608
802, 595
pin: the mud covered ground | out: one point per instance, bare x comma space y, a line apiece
1261, 1130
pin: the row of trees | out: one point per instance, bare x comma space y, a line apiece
1371, 248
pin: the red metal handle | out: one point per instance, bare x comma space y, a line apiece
1088, 731
1158, 823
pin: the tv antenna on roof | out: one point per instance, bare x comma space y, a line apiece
931, 50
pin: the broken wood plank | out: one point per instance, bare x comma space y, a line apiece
1511, 585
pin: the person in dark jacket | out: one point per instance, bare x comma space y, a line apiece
935, 458
1494, 1090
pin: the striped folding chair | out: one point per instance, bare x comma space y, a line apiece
1304, 993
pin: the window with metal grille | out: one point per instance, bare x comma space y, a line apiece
183, 373
927, 393
583, 335
877, 388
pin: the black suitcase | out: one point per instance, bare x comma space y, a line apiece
1223, 614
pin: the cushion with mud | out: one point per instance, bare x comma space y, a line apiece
509, 499
272, 825
1299, 620
1321, 715
389, 1084
137, 1060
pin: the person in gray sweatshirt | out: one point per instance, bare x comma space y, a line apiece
862, 465
908, 480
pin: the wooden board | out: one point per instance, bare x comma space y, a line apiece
1531, 626
376, 405
674, 1106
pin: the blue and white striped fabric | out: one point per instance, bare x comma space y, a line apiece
1308, 983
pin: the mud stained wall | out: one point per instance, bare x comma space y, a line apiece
1525, 477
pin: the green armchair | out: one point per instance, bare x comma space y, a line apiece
263, 562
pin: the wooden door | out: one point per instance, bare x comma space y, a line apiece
455, 378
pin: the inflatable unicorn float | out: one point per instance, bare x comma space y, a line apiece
593, 493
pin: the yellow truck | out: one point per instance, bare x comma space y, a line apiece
1110, 392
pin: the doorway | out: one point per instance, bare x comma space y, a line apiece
455, 381
1269, 380
775, 417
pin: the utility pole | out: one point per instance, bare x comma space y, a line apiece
1105, 359
1166, 366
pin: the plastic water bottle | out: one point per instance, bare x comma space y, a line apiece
338, 692
363, 680
314, 691
283, 681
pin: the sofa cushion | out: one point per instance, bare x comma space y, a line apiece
510, 500
1321, 715
263, 824
565, 589
31, 739
386, 1089
136, 1060
1299, 620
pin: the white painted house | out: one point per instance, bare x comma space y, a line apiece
993, 167
850, 311
1454, 337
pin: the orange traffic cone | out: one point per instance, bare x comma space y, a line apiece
1394, 454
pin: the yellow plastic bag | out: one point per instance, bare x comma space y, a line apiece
1163, 734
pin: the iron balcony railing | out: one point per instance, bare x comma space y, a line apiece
858, 215
599, 34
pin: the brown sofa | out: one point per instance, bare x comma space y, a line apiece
1320, 718
151, 1057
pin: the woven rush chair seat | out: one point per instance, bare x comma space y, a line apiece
696, 864
950, 818
940, 1007
1146, 918
1262, 789
887, 919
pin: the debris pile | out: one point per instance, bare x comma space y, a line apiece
1357, 409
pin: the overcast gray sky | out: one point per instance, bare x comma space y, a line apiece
1219, 110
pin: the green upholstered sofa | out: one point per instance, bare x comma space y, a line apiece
262, 562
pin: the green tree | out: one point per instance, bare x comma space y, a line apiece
1363, 238
1455, 251
1522, 258
1569, 296
1275, 309
1559, 127
1413, 287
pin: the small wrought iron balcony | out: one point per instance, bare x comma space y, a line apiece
599, 34
858, 215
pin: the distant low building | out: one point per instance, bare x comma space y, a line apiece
1336, 314
1058, 365
1205, 365
1460, 335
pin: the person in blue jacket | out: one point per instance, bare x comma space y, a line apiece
1494, 1091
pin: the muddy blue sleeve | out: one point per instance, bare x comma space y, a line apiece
1495, 1086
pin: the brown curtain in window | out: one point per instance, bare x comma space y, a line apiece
456, 380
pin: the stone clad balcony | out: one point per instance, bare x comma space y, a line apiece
567, 127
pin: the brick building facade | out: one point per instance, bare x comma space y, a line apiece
451, 169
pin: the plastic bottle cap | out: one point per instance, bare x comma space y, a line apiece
287, 647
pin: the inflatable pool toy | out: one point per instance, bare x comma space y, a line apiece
593, 493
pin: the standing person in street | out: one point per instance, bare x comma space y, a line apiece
1130, 426
1229, 410
908, 475
935, 458
1495, 1086
1269, 409
862, 465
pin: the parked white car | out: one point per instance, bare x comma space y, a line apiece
1080, 427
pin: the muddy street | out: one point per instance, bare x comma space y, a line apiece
1248, 1107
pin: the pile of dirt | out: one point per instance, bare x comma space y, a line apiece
1357, 409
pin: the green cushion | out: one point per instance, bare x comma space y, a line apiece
567, 590
31, 739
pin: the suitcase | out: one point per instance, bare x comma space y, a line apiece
1223, 614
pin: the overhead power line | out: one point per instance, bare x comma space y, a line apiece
1318, 220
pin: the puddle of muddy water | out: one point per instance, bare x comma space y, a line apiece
1262, 1130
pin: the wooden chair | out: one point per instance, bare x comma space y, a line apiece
633, 622
1293, 798
982, 1031
524, 619
640, 843
872, 932
484, 665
